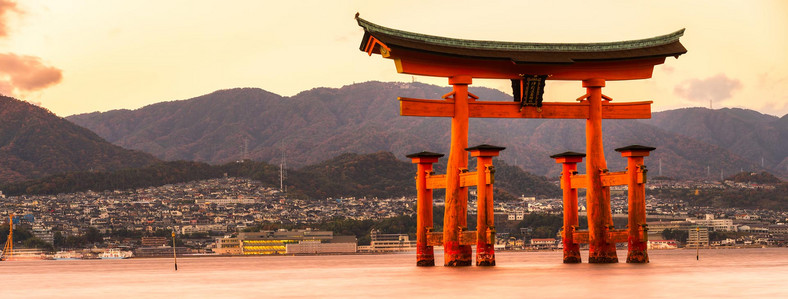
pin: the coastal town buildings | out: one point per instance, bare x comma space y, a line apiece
201, 211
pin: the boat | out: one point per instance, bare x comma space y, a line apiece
67, 255
114, 254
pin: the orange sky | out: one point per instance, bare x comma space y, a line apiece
92, 55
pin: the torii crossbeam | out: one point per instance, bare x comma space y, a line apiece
528, 65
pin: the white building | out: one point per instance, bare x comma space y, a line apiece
203, 228
717, 225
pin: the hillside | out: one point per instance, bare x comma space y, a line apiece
350, 175
747, 133
323, 123
36, 143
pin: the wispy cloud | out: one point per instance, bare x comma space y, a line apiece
718, 88
21, 74
7, 7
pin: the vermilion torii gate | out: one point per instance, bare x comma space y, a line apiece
527, 65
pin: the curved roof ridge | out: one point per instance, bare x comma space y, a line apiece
522, 46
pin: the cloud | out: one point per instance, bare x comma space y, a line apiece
22, 74
718, 88
6, 8
667, 69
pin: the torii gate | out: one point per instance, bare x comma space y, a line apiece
528, 65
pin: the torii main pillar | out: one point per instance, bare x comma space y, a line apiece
456, 213
600, 220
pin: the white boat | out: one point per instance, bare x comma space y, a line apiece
67, 255
114, 254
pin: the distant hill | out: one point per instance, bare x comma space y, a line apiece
749, 134
36, 143
758, 178
323, 123
371, 175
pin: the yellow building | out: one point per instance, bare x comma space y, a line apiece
274, 242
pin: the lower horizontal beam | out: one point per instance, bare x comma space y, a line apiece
468, 237
613, 236
435, 239
436, 181
609, 179
617, 236
468, 179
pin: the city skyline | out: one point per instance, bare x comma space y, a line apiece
86, 56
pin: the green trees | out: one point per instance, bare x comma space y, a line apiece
674, 234
24, 237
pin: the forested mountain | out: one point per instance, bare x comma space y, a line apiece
323, 123
35, 143
372, 175
749, 134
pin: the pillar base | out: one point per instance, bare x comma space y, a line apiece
637, 256
485, 263
454, 255
425, 256
458, 263
466, 255
572, 257
601, 252
602, 260
485, 255
425, 263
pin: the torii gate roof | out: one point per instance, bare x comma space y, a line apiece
429, 55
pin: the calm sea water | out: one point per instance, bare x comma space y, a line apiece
733, 273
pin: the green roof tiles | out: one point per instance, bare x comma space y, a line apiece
526, 52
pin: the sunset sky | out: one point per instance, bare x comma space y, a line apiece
82, 56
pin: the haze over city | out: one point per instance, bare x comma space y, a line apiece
75, 57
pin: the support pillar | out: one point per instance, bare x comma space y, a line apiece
600, 220
637, 244
425, 255
569, 162
485, 219
456, 216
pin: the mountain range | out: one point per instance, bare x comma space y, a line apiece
321, 123
36, 143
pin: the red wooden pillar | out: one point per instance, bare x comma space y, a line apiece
600, 220
569, 162
638, 231
485, 219
425, 255
456, 216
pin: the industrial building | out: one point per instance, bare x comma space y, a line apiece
285, 242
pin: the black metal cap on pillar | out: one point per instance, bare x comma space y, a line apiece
424, 157
568, 155
425, 154
635, 147
485, 150
635, 150
486, 147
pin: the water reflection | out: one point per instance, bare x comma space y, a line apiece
719, 273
